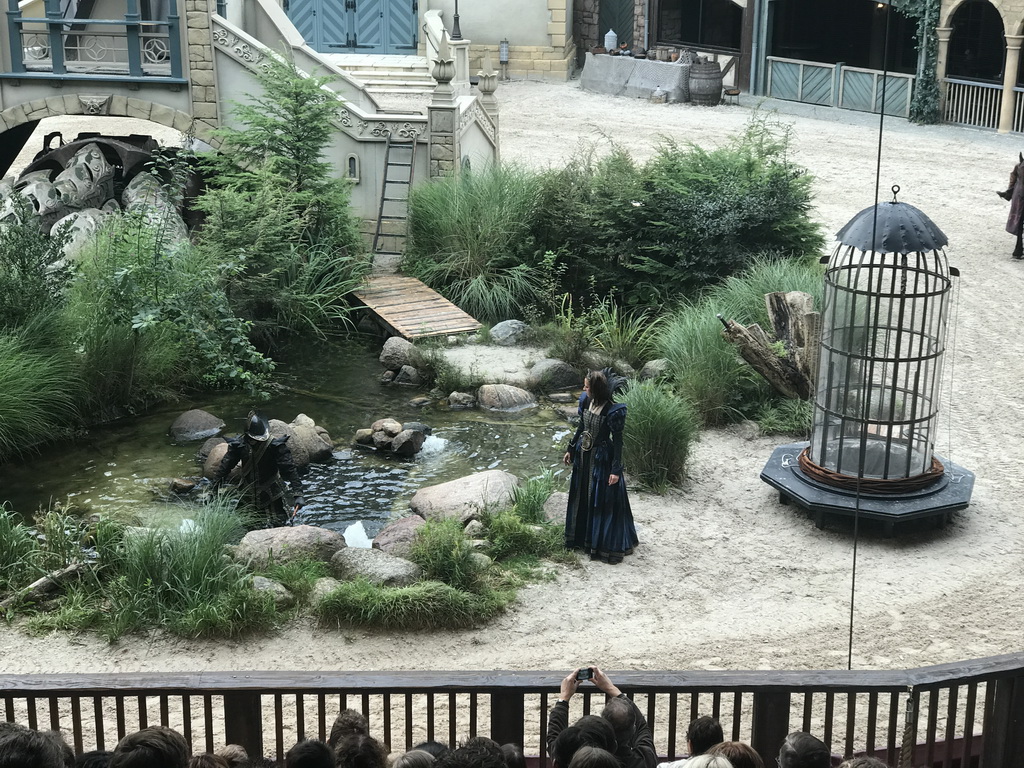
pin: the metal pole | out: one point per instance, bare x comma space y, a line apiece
456, 31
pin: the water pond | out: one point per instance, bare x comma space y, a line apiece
122, 469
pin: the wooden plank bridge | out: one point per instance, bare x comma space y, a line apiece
408, 308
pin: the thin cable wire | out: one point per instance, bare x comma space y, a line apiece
864, 400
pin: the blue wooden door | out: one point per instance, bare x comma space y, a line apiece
356, 26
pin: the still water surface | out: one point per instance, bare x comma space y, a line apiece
122, 469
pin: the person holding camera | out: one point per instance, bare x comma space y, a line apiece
620, 729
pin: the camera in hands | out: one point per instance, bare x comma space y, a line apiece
584, 673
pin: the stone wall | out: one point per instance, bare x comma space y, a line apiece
200, 62
585, 19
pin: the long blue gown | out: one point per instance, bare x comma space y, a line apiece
598, 519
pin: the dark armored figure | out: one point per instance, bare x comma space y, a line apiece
266, 462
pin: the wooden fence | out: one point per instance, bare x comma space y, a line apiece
950, 716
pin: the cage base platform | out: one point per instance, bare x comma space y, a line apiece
937, 502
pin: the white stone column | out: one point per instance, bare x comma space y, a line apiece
941, 61
1009, 100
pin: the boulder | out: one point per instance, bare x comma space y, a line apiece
419, 426
504, 397
391, 426
307, 442
364, 437
213, 460
419, 402
382, 440
466, 496
195, 424
555, 506
408, 442
283, 599
376, 566
461, 400
387, 377
551, 374
654, 369
409, 376
260, 548
509, 333
322, 588
474, 529
396, 353
396, 538
563, 397
206, 448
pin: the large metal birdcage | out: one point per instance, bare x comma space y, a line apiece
884, 321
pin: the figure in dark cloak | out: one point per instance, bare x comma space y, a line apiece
266, 461
598, 519
1015, 194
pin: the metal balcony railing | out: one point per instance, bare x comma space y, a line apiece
70, 48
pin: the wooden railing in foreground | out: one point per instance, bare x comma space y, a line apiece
969, 713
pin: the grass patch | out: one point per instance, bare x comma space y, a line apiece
786, 417
426, 605
165, 578
529, 498
298, 576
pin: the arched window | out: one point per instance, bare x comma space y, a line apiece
702, 23
976, 45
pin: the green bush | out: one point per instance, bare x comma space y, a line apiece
444, 553
660, 430
469, 240
33, 273
298, 576
426, 605
513, 539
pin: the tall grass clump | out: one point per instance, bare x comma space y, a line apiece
33, 271
40, 387
741, 297
785, 416
529, 498
426, 605
659, 435
469, 239
444, 553
19, 555
629, 335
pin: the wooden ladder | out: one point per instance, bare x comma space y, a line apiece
393, 213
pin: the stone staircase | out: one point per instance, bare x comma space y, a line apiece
387, 75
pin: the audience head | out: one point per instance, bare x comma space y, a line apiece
310, 753
347, 723
740, 755
435, 748
593, 757
801, 750
589, 730
514, 757
21, 747
154, 747
358, 750
708, 761
235, 754
414, 758
621, 715
207, 760
703, 733
98, 758
478, 752
864, 761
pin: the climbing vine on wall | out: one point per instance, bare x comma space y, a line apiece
924, 107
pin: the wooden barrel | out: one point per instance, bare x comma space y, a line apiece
706, 83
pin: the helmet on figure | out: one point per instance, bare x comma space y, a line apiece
256, 427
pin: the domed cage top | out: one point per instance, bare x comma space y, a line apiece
884, 319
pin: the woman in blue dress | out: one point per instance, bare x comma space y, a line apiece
598, 519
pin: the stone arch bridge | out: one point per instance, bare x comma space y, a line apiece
181, 63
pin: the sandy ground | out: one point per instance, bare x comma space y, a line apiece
725, 576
